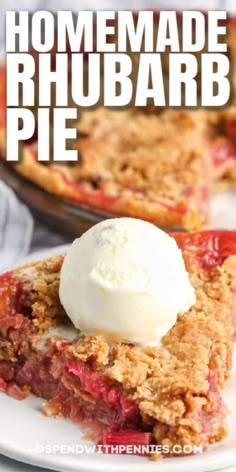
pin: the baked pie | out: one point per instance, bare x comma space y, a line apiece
158, 165
133, 395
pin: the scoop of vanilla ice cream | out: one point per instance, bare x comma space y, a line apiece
126, 279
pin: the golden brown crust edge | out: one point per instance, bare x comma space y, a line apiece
157, 213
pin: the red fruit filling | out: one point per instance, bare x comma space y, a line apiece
211, 248
230, 130
11, 295
224, 151
86, 396
124, 438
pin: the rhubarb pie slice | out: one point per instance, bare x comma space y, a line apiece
136, 395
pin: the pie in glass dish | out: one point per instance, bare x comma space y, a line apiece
125, 393
160, 165
160, 168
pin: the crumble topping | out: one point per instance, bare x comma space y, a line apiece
133, 157
41, 283
130, 364
92, 349
123, 158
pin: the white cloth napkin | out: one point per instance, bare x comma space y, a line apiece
16, 228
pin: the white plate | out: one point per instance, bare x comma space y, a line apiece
24, 429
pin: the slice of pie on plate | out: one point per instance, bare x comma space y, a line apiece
126, 394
